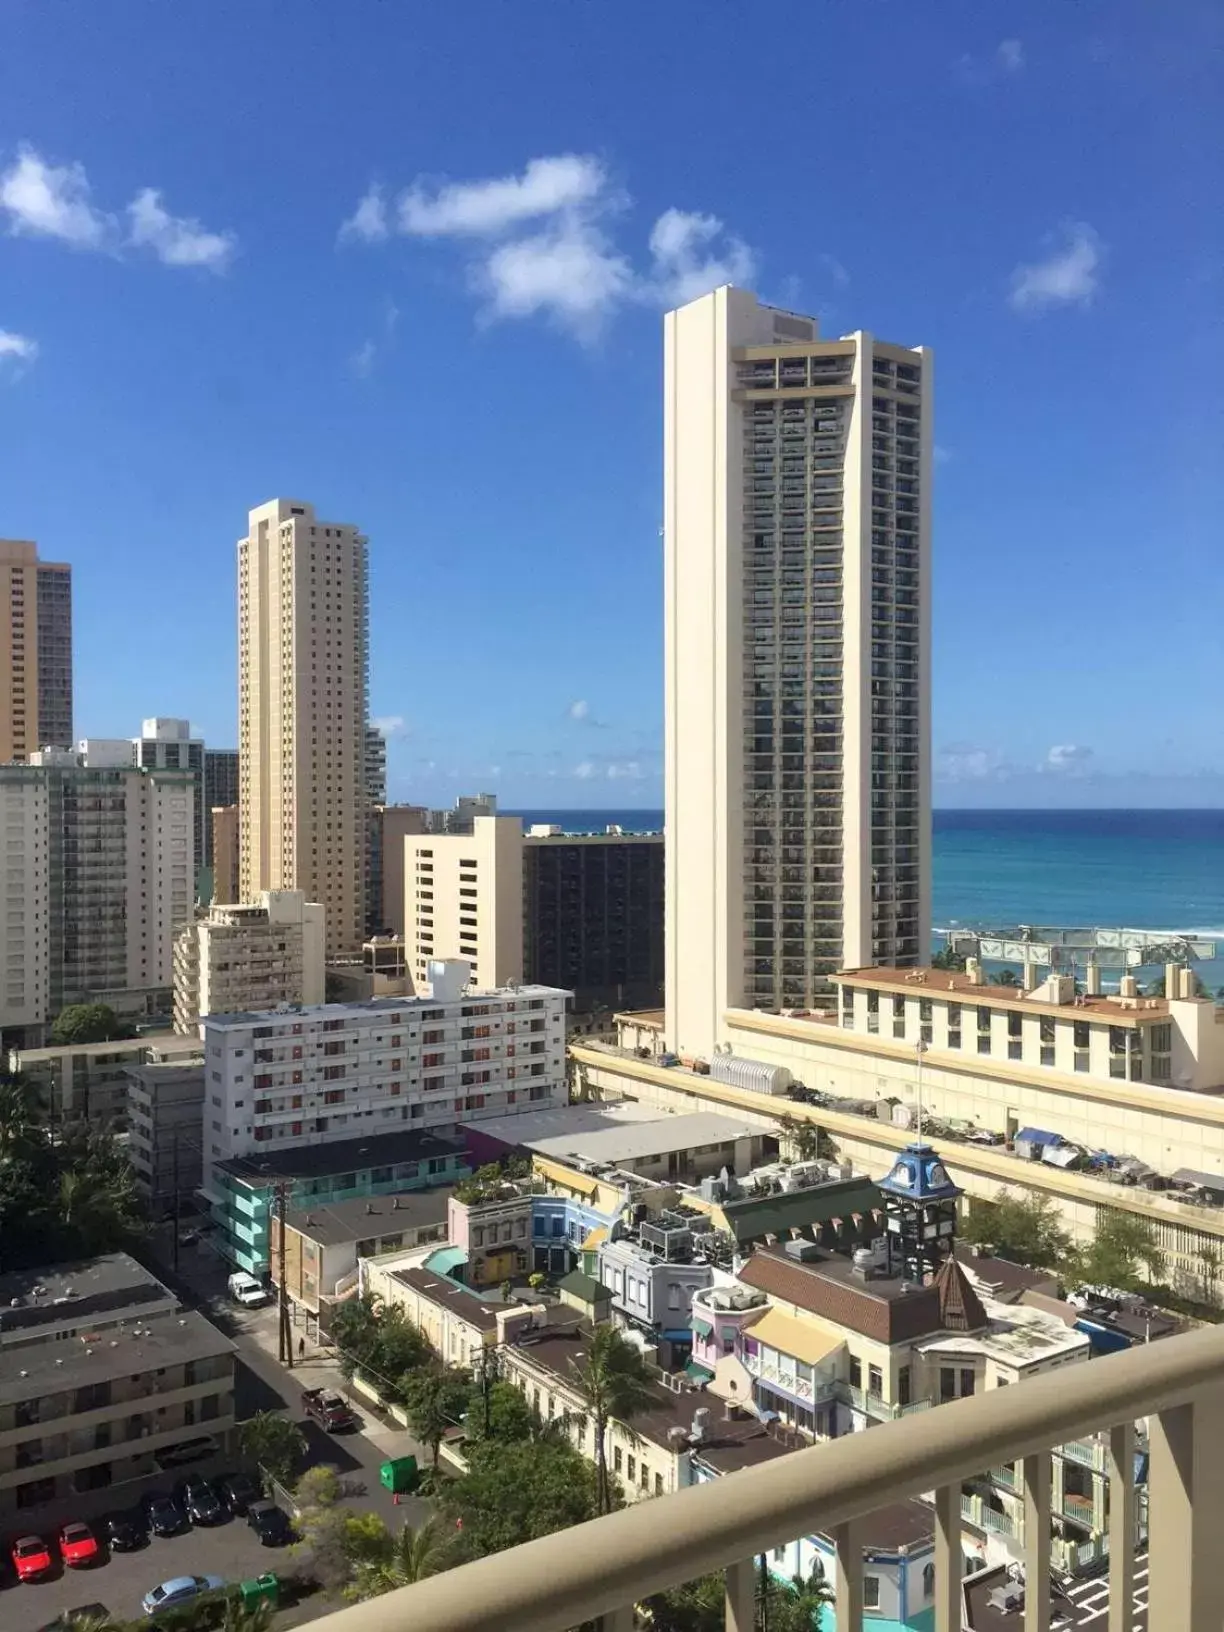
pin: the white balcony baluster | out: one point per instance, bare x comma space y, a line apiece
846, 1539
1035, 1478
1121, 1527
948, 1566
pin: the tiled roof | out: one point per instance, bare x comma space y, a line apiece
886, 1309
960, 1308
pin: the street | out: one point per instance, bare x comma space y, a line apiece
230, 1550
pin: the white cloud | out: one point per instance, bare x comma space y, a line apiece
176, 240
586, 770
1067, 277
1010, 56
627, 770
685, 267
45, 200
963, 762
540, 243
1067, 757
579, 710
391, 725
362, 360
942, 455
15, 351
485, 209
368, 222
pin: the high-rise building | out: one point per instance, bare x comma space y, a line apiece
797, 605
376, 797
375, 766
35, 651
100, 879
223, 825
395, 823
220, 788
302, 701
583, 911
168, 745
246, 957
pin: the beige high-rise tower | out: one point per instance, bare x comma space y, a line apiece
302, 705
35, 651
797, 613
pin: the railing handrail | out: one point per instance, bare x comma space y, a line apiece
598, 1567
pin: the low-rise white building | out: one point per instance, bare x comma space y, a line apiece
312, 1074
244, 957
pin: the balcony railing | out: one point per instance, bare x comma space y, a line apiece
605, 1567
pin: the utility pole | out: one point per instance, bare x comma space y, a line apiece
284, 1339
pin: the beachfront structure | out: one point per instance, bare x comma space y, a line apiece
240, 958
302, 703
797, 485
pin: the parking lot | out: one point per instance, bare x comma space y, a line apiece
230, 1550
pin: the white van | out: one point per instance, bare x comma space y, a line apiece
246, 1290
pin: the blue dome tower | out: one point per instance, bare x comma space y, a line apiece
920, 1212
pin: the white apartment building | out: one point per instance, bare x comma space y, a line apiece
99, 878
338, 1071
243, 957
302, 704
463, 898
797, 607
167, 745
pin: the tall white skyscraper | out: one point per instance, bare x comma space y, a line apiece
302, 703
797, 607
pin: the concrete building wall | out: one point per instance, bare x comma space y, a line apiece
395, 824
249, 957
463, 898
303, 675
167, 744
35, 651
225, 852
25, 904
165, 1117
797, 477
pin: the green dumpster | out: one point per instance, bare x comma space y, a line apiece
399, 1474
264, 1589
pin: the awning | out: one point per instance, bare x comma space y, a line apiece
698, 1372
703, 1328
596, 1238
794, 1337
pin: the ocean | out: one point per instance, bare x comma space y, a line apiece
1138, 869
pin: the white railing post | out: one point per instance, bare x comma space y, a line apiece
1035, 1475
1121, 1527
948, 1563
1185, 1500
849, 1605
740, 1583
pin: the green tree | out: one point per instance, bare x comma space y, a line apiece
333, 1541
802, 1136
21, 1115
86, 1023
378, 1342
1023, 1229
414, 1555
517, 1490
1124, 1252
1007, 977
945, 958
1209, 1261
700, 1605
240, 1617
273, 1443
612, 1381
498, 1410
434, 1399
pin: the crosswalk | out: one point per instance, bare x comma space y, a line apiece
1090, 1599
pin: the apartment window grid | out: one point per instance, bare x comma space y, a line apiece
793, 457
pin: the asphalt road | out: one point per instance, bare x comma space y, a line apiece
230, 1550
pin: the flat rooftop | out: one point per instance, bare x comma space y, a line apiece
948, 984
409, 1007
29, 1371
341, 1156
1082, 1604
440, 1289
628, 1141
651, 1019
334, 1223
170, 1044
78, 1292
561, 1120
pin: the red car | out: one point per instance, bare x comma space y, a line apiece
78, 1544
31, 1558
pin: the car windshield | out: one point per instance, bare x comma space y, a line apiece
31, 1548
76, 1532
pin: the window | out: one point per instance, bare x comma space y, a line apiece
631, 1468
903, 1385
856, 1372
617, 1459
871, 1592
947, 1384
967, 1380
928, 1580
875, 1381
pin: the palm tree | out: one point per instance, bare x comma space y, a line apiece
612, 1382
240, 1617
21, 1112
273, 1443
415, 1555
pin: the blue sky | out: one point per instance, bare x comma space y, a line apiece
253, 250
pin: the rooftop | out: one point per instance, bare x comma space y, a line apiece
371, 1008
1004, 1281
78, 1292
28, 1371
333, 1223
324, 1159
563, 1121
442, 1290
165, 1043
1082, 1604
639, 1140
948, 984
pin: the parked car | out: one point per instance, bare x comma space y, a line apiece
163, 1514
270, 1523
328, 1409
200, 1501
78, 1619
78, 1545
237, 1491
123, 1532
180, 1589
31, 1558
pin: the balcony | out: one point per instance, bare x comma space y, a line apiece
612, 1563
